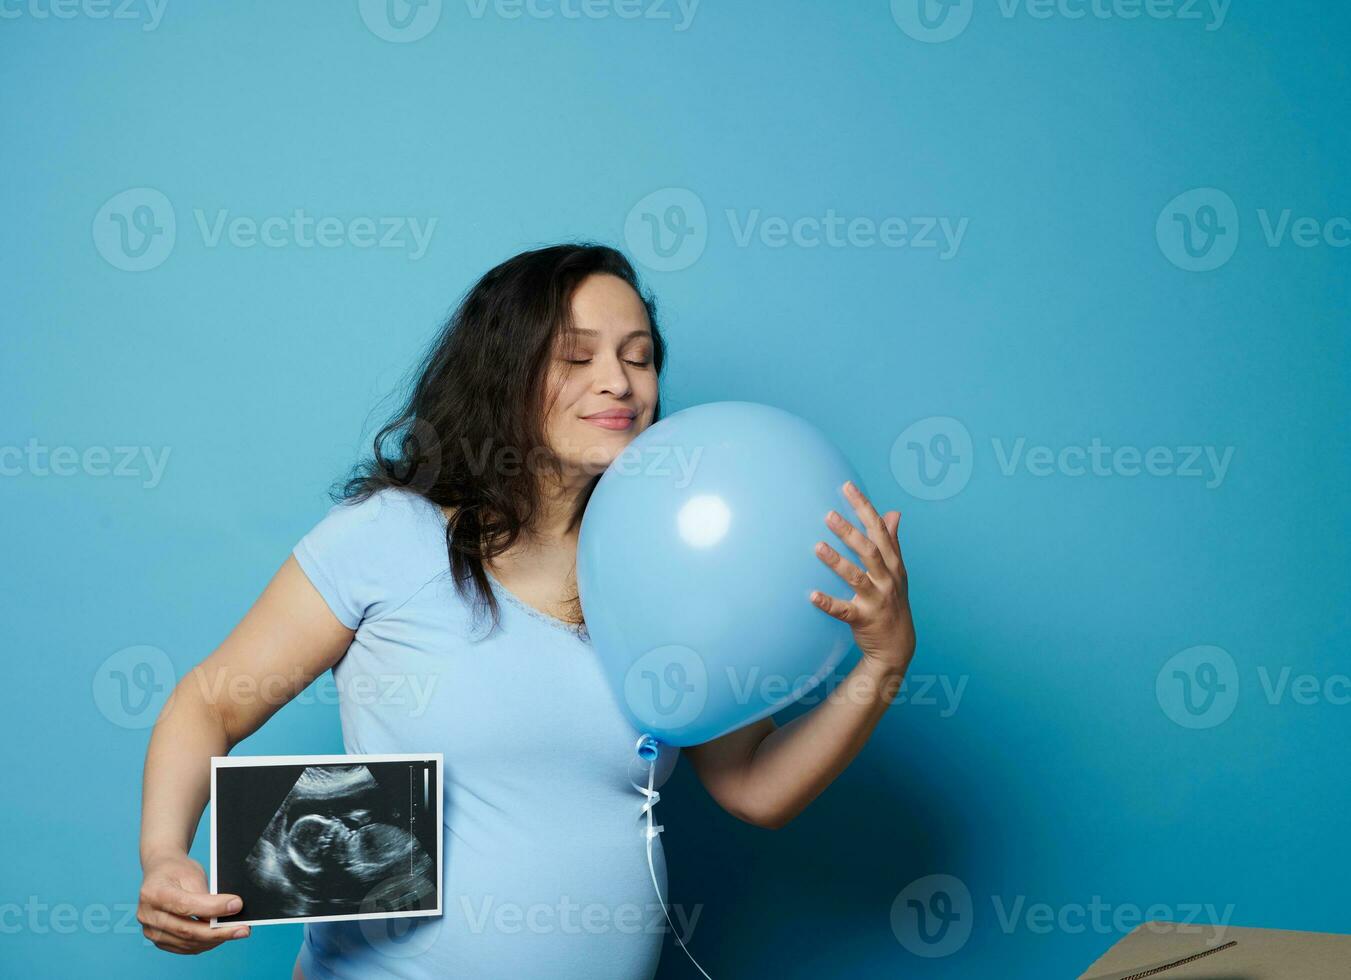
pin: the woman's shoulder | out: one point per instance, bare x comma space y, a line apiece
370, 551
386, 508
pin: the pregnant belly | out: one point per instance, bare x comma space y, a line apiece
569, 910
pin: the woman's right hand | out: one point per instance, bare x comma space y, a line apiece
175, 907
288, 638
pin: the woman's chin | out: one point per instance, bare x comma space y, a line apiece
593, 454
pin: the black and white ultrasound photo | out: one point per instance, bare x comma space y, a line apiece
320, 838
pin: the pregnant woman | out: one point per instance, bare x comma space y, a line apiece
441, 591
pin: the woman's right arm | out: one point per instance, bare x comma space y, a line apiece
287, 639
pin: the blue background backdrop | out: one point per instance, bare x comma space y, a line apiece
1076, 765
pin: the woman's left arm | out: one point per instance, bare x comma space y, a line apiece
766, 775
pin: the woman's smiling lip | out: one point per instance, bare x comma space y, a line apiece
615, 419
613, 422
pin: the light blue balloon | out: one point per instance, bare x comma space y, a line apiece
695, 565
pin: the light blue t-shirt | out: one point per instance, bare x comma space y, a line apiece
545, 865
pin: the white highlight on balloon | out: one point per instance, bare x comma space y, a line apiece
704, 520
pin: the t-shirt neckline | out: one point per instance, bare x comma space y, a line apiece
504, 593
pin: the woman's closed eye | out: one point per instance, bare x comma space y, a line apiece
588, 361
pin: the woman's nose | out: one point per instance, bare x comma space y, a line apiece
612, 378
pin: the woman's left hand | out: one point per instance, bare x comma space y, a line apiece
879, 612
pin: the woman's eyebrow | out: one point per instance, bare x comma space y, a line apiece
588, 332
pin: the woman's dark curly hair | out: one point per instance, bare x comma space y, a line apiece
478, 395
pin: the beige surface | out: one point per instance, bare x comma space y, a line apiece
1259, 954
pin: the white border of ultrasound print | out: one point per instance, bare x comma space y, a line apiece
218, 761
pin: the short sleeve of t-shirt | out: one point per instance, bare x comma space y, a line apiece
367, 557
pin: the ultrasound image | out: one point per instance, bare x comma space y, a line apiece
340, 842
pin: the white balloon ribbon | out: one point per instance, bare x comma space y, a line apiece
653, 829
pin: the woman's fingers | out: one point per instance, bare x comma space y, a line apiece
855, 577
879, 614
194, 930
845, 612
168, 896
862, 546
176, 919
188, 935
892, 520
867, 514
879, 532
168, 943
203, 905
172, 944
